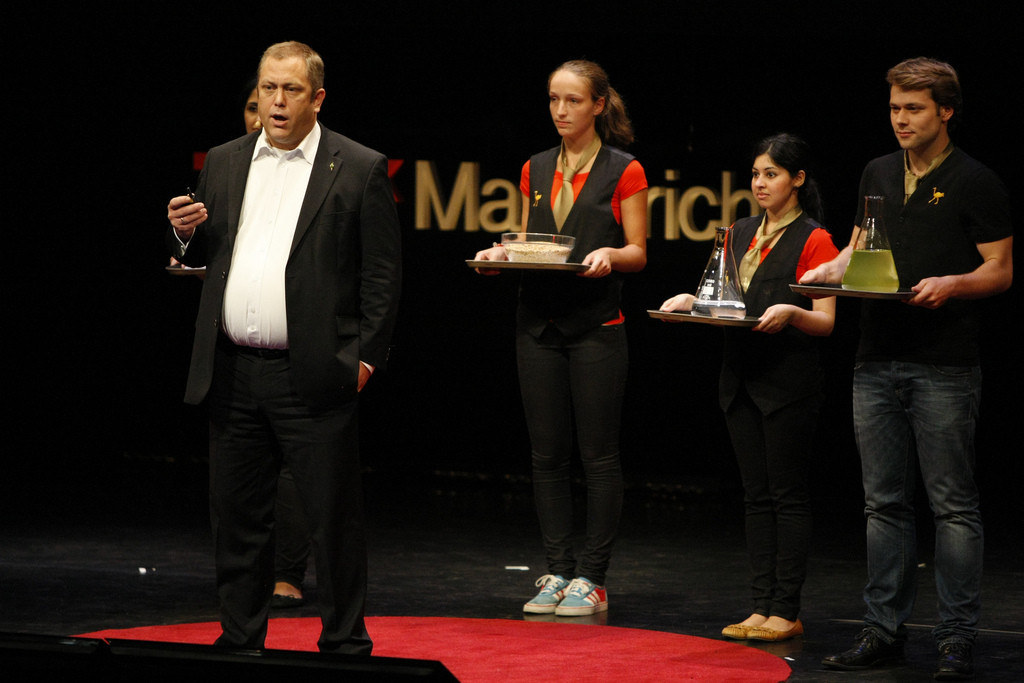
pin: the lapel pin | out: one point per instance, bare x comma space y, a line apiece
536, 198
936, 196
332, 165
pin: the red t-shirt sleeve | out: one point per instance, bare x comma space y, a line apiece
818, 249
632, 181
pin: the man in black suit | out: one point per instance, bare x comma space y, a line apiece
298, 231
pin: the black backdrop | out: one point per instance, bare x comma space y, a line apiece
107, 106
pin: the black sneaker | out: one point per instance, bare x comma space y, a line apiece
956, 661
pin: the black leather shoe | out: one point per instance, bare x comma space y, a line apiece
870, 651
956, 662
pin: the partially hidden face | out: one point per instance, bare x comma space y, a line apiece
252, 112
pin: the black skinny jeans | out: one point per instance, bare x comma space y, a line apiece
773, 453
581, 378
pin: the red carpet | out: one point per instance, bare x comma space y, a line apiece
501, 650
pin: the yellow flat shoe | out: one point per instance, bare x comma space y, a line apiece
736, 631
762, 633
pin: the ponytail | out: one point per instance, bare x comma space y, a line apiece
613, 125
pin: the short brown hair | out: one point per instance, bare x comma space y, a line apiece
291, 48
922, 73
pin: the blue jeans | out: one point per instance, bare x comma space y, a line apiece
581, 380
908, 414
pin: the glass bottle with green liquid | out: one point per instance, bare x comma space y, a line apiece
871, 266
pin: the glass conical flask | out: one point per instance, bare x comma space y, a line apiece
720, 294
871, 266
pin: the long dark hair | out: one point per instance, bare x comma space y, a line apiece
613, 124
794, 154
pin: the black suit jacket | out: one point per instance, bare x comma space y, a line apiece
343, 276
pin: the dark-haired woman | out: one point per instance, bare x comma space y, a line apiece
251, 111
571, 341
770, 387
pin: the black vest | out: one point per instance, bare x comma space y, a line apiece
775, 369
571, 303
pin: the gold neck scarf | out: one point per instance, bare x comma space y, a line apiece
564, 200
752, 257
910, 179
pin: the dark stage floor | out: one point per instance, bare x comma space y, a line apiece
450, 544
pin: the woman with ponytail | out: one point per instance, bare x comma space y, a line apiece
571, 341
770, 387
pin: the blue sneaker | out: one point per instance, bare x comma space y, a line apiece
545, 602
582, 598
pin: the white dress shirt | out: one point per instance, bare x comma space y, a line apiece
254, 296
